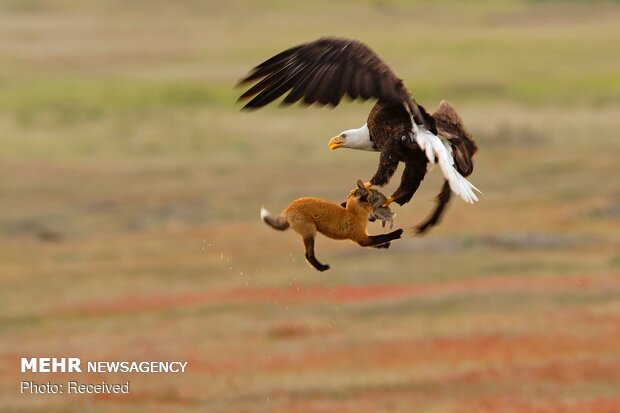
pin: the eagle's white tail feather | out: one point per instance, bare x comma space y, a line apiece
434, 148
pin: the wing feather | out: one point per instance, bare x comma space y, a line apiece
282, 81
354, 85
343, 83
268, 65
264, 84
330, 68
277, 88
313, 87
368, 85
359, 72
330, 87
299, 89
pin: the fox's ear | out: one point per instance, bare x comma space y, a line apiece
360, 184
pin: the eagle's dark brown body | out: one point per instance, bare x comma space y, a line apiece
389, 125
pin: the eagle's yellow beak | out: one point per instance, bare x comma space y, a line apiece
336, 142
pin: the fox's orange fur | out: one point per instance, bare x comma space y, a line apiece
307, 216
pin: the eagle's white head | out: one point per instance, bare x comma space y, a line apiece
353, 139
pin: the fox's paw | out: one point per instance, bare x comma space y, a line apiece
397, 233
386, 245
323, 268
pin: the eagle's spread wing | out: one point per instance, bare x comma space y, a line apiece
323, 71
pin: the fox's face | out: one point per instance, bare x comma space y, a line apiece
362, 195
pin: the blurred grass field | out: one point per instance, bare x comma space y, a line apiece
130, 187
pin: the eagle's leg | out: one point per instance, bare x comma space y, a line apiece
387, 202
442, 201
387, 167
409, 183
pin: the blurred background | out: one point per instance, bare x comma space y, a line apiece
131, 184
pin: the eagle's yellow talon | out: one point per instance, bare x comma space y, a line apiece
367, 185
387, 202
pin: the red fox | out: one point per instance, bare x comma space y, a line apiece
307, 216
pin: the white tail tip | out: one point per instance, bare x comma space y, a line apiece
433, 146
263, 213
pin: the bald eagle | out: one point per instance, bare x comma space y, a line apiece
324, 70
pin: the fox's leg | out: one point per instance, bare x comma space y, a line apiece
386, 245
310, 257
307, 230
376, 240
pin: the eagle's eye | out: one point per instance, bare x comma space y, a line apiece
343, 135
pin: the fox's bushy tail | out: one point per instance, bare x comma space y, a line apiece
280, 223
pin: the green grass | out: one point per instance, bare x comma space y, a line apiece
73, 100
